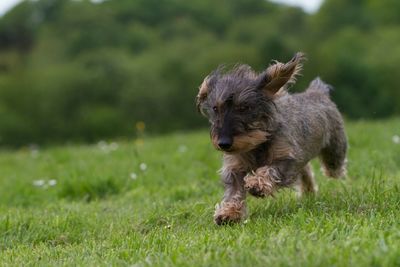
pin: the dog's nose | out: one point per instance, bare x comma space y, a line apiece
225, 143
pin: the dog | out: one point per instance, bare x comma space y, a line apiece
267, 135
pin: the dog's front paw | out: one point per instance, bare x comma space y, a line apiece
229, 212
261, 183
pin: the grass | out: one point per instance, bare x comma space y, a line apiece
97, 215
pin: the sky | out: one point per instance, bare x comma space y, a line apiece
307, 5
5, 5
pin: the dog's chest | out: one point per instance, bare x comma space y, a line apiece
257, 158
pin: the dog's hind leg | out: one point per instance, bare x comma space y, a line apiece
333, 156
306, 183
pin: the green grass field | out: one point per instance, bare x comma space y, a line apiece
151, 204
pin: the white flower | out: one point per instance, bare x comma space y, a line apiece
52, 182
102, 144
34, 149
133, 176
143, 166
396, 139
39, 183
34, 153
182, 148
113, 146
107, 148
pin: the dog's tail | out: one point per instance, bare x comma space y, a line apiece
317, 85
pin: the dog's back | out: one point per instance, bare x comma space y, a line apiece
314, 127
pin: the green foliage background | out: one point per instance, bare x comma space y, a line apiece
80, 71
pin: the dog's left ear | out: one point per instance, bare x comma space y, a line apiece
279, 75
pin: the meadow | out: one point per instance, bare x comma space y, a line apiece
150, 202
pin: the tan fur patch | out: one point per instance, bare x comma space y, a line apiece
203, 92
228, 212
235, 163
214, 141
251, 140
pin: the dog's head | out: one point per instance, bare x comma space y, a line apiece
239, 103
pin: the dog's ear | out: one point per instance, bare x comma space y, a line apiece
205, 88
279, 75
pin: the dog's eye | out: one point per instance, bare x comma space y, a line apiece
243, 108
215, 109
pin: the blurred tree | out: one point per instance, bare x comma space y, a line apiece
18, 27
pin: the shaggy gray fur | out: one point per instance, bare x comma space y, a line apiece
268, 136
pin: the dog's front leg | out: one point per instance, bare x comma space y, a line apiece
232, 208
266, 180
